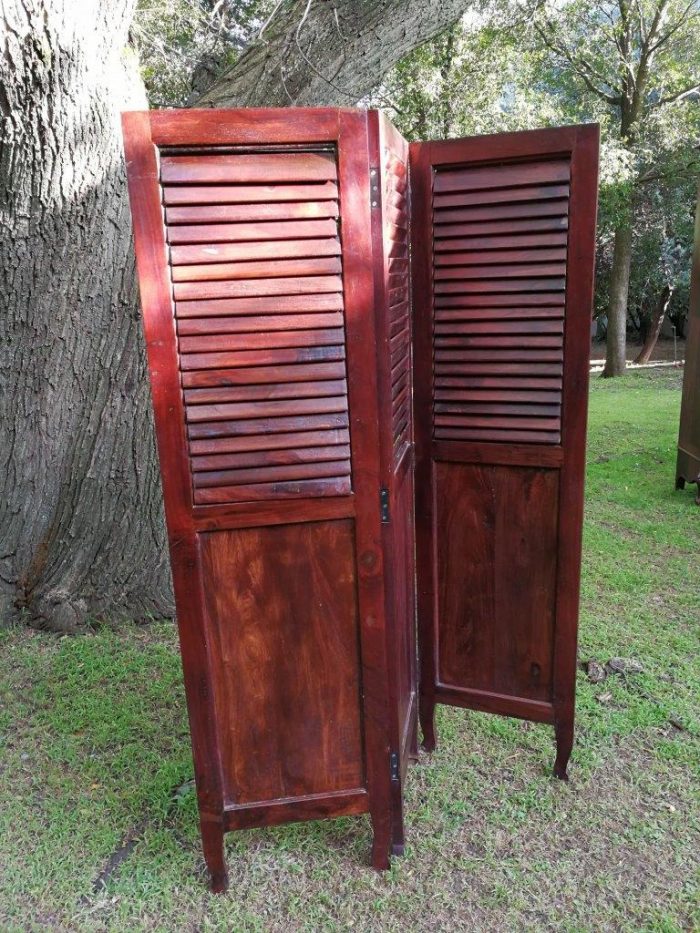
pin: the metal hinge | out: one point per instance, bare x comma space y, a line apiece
374, 187
384, 505
394, 766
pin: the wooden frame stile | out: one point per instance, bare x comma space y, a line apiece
499, 570
390, 203
214, 544
688, 456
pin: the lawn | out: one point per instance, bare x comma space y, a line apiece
98, 817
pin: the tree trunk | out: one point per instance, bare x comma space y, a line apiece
81, 531
329, 54
615, 361
657, 320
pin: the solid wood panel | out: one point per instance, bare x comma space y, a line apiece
289, 660
497, 551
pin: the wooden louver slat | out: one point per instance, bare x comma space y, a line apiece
499, 278
256, 277
395, 175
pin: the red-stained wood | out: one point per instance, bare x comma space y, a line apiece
260, 320
501, 340
688, 455
221, 195
388, 153
263, 230
303, 370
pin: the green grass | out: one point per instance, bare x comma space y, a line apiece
94, 746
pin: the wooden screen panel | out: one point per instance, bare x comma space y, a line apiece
256, 273
287, 660
688, 456
503, 293
390, 220
485, 516
262, 347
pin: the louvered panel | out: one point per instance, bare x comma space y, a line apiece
499, 279
256, 276
396, 243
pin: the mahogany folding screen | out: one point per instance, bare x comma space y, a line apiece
503, 249
688, 456
273, 259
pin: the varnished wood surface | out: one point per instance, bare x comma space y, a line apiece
282, 610
688, 460
259, 313
390, 223
503, 297
237, 270
497, 579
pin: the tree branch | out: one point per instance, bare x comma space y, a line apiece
583, 68
679, 95
348, 48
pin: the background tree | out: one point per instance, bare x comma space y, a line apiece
638, 61
498, 72
81, 529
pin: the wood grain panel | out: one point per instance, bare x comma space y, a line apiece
498, 560
282, 658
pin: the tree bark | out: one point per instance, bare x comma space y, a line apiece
81, 526
329, 54
657, 320
81, 529
615, 361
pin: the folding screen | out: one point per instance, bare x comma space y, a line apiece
266, 252
688, 457
503, 245
273, 259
